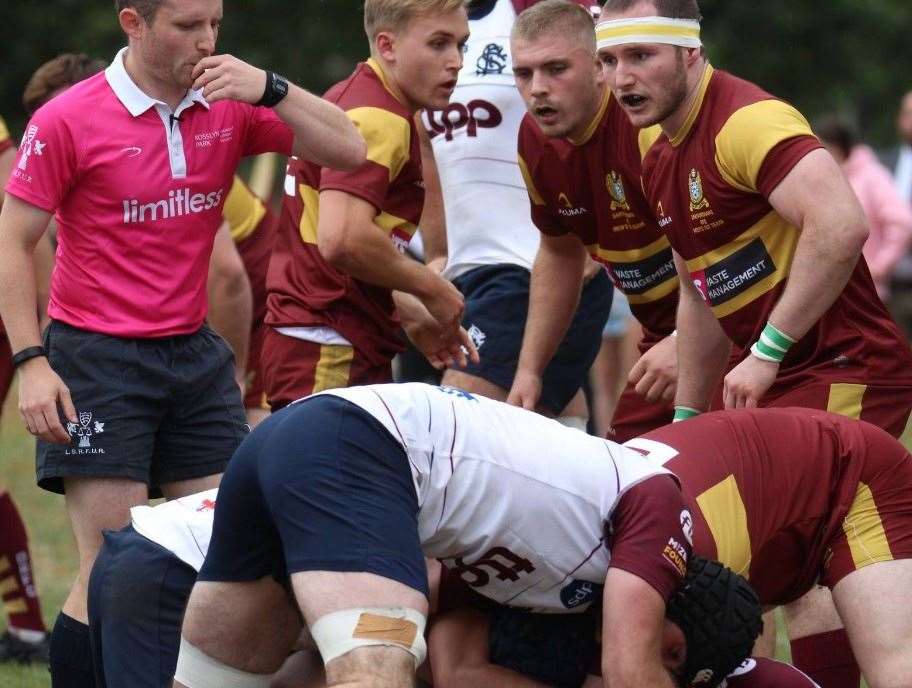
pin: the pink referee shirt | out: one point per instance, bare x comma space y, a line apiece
138, 196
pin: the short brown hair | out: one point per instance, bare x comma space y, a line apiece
551, 16
673, 9
145, 8
392, 15
61, 72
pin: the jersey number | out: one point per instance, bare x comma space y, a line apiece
500, 560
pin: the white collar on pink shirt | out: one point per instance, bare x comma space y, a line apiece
133, 98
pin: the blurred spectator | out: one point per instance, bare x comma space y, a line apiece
899, 159
57, 75
889, 216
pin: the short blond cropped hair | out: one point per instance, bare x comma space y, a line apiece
393, 15
556, 16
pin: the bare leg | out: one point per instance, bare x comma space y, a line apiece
766, 643
184, 488
875, 603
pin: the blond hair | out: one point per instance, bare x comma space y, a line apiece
556, 16
393, 15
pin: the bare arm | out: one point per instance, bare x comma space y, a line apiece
7, 158
41, 389
633, 622
230, 299
433, 217
429, 338
556, 284
703, 347
458, 648
323, 133
816, 198
349, 240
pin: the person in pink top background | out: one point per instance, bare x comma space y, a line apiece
889, 216
131, 392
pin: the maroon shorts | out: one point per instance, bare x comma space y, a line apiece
255, 252
6, 367
635, 416
293, 368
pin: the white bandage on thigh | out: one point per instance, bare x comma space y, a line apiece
341, 632
195, 669
576, 422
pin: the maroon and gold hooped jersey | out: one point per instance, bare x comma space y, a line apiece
591, 188
304, 290
709, 186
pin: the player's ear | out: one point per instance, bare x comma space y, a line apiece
385, 43
674, 647
131, 22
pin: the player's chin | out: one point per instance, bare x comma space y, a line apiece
439, 98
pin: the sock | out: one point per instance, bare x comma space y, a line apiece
17, 583
70, 654
827, 658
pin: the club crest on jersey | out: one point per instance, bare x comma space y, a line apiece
616, 188
30, 144
85, 430
579, 592
695, 186
493, 60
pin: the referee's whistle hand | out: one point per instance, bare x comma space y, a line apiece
42, 398
225, 77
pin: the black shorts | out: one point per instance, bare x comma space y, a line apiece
151, 410
138, 592
319, 486
496, 308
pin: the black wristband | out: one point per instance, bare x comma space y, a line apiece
28, 354
276, 89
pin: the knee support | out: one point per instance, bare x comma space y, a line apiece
341, 632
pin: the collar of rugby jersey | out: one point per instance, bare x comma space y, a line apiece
133, 97
695, 108
594, 124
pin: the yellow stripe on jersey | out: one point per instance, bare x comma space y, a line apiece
530, 185
389, 223
906, 438
16, 606
4, 132
779, 238
845, 399
647, 137
311, 215
243, 210
679, 137
8, 585
865, 531
334, 367
750, 134
596, 121
723, 509
388, 137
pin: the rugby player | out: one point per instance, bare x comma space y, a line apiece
768, 238
581, 162
136, 163
25, 638
489, 243
354, 487
339, 280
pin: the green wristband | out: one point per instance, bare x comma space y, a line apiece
684, 412
773, 344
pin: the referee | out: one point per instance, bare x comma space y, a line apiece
130, 392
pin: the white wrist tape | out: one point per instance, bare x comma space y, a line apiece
195, 669
341, 632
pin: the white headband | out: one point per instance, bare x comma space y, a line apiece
681, 32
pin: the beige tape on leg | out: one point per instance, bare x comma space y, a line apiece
341, 632
195, 669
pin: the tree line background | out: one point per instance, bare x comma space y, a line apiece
840, 55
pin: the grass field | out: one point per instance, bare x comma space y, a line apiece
53, 551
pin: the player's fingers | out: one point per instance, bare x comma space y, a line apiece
637, 371
471, 349
67, 405
39, 423
750, 401
645, 384
210, 62
727, 397
671, 390
55, 429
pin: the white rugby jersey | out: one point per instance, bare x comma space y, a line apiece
183, 526
513, 502
474, 139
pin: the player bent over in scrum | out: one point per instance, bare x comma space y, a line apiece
348, 491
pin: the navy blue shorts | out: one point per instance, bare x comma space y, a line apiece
496, 308
319, 486
137, 595
155, 411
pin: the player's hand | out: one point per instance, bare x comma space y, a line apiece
225, 77
655, 375
438, 346
526, 390
40, 392
446, 304
746, 384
